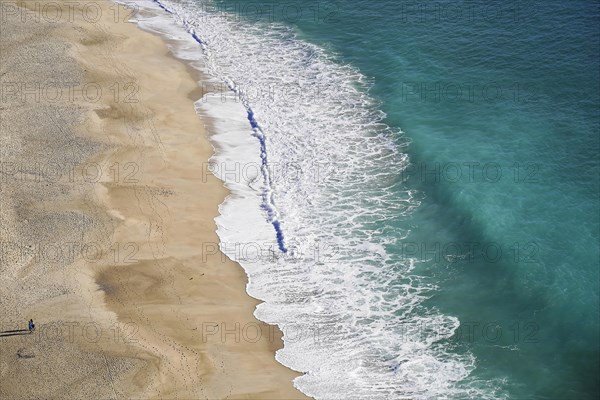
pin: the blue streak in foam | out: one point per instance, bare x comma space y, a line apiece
162, 6
267, 201
196, 38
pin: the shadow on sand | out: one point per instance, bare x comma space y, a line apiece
14, 332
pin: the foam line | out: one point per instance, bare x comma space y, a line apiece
268, 197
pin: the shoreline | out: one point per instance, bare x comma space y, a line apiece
162, 312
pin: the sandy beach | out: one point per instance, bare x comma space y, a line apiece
107, 222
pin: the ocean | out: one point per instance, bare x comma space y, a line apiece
414, 187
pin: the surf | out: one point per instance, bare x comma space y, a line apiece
313, 223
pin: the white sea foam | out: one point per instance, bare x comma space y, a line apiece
302, 148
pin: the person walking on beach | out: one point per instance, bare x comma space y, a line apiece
31, 326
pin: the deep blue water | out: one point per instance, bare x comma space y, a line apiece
500, 102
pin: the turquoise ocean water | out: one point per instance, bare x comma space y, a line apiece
501, 103
468, 261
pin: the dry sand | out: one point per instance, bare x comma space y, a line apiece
107, 228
